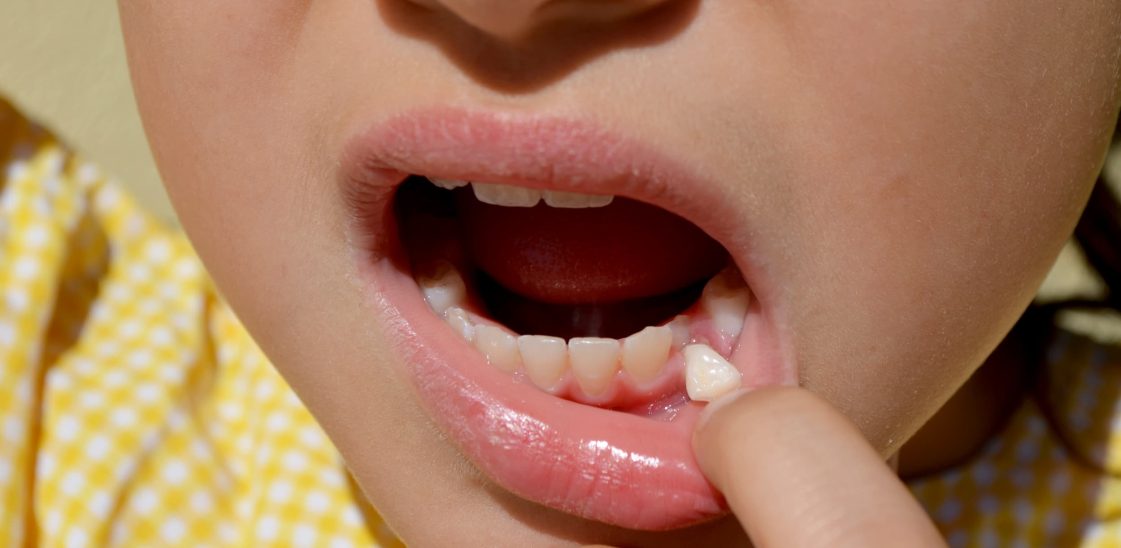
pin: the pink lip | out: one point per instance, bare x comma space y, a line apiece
598, 464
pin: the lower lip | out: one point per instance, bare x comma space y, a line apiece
603, 465
608, 466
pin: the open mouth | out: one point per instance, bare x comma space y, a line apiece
607, 302
558, 321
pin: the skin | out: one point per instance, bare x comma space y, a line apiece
911, 170
796, 472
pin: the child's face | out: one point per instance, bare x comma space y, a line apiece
893, 179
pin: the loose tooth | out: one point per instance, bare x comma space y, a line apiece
707, 374
594, 361
460, 322
725, 298
680, 328
644, 353
544, 359
443, 288
449, 184
556, 198
500, 347
506, 195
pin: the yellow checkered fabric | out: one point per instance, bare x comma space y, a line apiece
1053, 476
134, 409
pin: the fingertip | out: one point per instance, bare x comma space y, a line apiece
725, 425
715, 406
787, 461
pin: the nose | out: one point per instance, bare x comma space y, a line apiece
513, 19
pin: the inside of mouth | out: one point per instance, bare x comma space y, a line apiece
542, 275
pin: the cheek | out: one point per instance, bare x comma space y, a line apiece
235, 152
940, 179
213, 80
929, 166
234, 111
911, 285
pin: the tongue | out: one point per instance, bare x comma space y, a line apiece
627, 250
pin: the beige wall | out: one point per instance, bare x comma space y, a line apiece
62, 63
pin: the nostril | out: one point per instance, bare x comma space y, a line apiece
526, 45
516, 19
500, 18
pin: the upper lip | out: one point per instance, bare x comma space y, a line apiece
660, 475
551, 153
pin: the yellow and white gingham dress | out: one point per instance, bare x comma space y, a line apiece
1049, 479
136, 411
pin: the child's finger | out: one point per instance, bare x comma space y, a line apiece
798, 473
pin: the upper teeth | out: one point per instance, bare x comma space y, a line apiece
450, 184
556, 198
516, 196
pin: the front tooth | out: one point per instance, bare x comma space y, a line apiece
443, 288
725, 298
544, 359
500, 347
644, 353
593, 361
556, 198
460, 322
505, 195
707, 374
449, 184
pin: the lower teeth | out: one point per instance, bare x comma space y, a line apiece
707, 374
593, 364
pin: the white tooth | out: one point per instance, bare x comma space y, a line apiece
680, 328
500, 347
449, 184
725, 298
544, 358
594, 361
506, 195
556, 198
707, 374
460, 322
443, 288
644, 353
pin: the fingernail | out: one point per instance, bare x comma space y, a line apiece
719, 403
